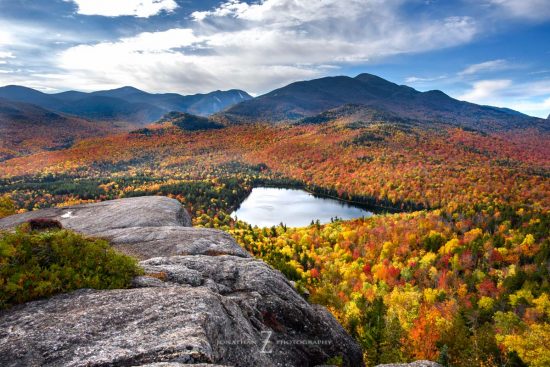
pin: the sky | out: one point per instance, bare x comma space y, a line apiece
494, 52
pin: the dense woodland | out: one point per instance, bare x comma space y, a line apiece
456, 271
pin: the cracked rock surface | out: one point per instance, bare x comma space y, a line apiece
203, 301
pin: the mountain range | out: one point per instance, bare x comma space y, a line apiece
306, 99
364, 98
126, 104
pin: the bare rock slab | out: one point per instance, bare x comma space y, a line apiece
147, 242
144, 227
203, 301
96, 218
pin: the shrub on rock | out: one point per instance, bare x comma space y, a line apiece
7, 206
40, 264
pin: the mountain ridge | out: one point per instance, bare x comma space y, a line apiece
127, 103
305, 99
297, 101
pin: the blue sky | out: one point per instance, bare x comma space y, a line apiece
485, 51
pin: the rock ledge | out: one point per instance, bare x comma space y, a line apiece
206, 302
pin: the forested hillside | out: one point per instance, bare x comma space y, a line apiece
27, 129
460, 274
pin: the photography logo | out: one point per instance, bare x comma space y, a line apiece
267, 346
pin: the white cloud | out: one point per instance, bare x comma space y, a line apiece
115, 8
532, 98
6, 55
285, 12
5, 38
531, 9
487, 66
156, 62
263, 45
485, 90
147, 42
539, 107
418, 79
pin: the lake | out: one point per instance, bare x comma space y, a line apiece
268, 206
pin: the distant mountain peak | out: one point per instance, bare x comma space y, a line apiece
126, 89
15, 86
365, 77
121, 92
311, 98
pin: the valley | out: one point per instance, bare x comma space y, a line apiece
460, 270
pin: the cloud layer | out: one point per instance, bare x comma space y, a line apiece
486, 66
115, 8
259, 46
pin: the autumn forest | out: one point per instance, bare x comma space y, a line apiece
455, 270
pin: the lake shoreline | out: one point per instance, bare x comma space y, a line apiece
294, 207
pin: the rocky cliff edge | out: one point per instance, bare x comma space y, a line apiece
205, 301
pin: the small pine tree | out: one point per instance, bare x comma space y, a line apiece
444, 356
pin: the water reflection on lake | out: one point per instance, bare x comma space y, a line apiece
267, 206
